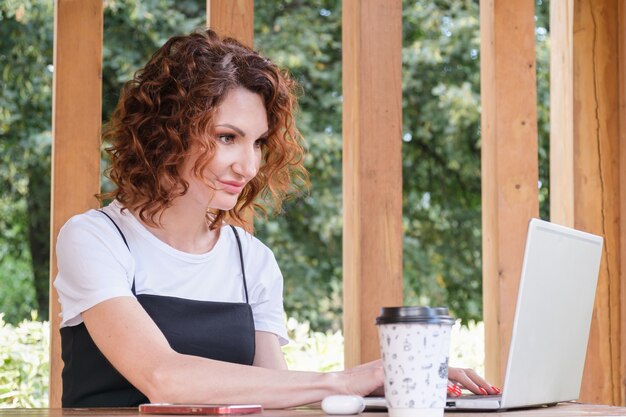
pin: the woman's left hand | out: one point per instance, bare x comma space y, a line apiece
470, 380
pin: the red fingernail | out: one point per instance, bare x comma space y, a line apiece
452, 390
484, 391
496, 389
457, 390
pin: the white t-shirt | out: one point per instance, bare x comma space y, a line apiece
95, 265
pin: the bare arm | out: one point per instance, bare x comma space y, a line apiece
268, 353
135, 346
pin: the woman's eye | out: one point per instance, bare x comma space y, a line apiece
226, 139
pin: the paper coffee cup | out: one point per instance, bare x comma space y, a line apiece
415, 346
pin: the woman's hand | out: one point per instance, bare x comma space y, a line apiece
470, 380
365, 379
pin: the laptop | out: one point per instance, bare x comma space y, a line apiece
552, 321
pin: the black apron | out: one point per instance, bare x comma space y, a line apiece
215, 330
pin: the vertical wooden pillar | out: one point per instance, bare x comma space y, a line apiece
590, 171
372, 169
232, 18
562, 112
621, 39
509, 163
76, 120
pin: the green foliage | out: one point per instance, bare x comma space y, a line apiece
306, 237
133, 30
441, 154
24, 356
313, 351
441, 143
25, 116
24, 360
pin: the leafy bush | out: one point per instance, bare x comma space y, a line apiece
24, 363
24, 356
316, 351
467, 347
313, 351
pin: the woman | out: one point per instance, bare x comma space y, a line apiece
162, 300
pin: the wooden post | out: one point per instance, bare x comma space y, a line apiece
232, 18
621, 39
76, 120
372, 170
590, 171
509, 163
562, 112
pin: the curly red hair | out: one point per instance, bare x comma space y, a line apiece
172, 101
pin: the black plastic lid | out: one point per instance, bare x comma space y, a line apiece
418, 314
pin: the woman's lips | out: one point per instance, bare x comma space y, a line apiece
232, 187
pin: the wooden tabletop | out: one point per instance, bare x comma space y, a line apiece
561, 410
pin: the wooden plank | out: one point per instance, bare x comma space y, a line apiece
621, 36
509, 163
372, 170
561, 112
232, 18
596, 180
76, 120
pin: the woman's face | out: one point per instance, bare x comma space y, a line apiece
241, 129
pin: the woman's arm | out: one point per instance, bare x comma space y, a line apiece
135, 346
268, 353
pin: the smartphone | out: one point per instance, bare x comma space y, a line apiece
219, 409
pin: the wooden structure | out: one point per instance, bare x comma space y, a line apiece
588, 171
372, 170
588, 165
509, 163
76, 119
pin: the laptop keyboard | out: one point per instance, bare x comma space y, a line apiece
480, 397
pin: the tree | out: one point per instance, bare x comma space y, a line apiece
441, 153
25, 114
441, 143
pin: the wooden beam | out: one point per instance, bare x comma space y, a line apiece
372, 170
509, 163
561, 112
76, 120
595, 178
621, 39
232, 18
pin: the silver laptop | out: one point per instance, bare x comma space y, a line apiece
552, 321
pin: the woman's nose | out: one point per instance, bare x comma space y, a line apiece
247, 165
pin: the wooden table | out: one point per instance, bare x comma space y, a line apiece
561, 410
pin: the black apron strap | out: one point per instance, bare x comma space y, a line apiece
190, 326
125, 242
243, 270
117, 227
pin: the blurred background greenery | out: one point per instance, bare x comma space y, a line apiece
441, 144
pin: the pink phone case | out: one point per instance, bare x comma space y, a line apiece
219, 409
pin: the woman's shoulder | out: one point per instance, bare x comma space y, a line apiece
90, 227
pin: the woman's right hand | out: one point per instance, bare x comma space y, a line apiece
365, 379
